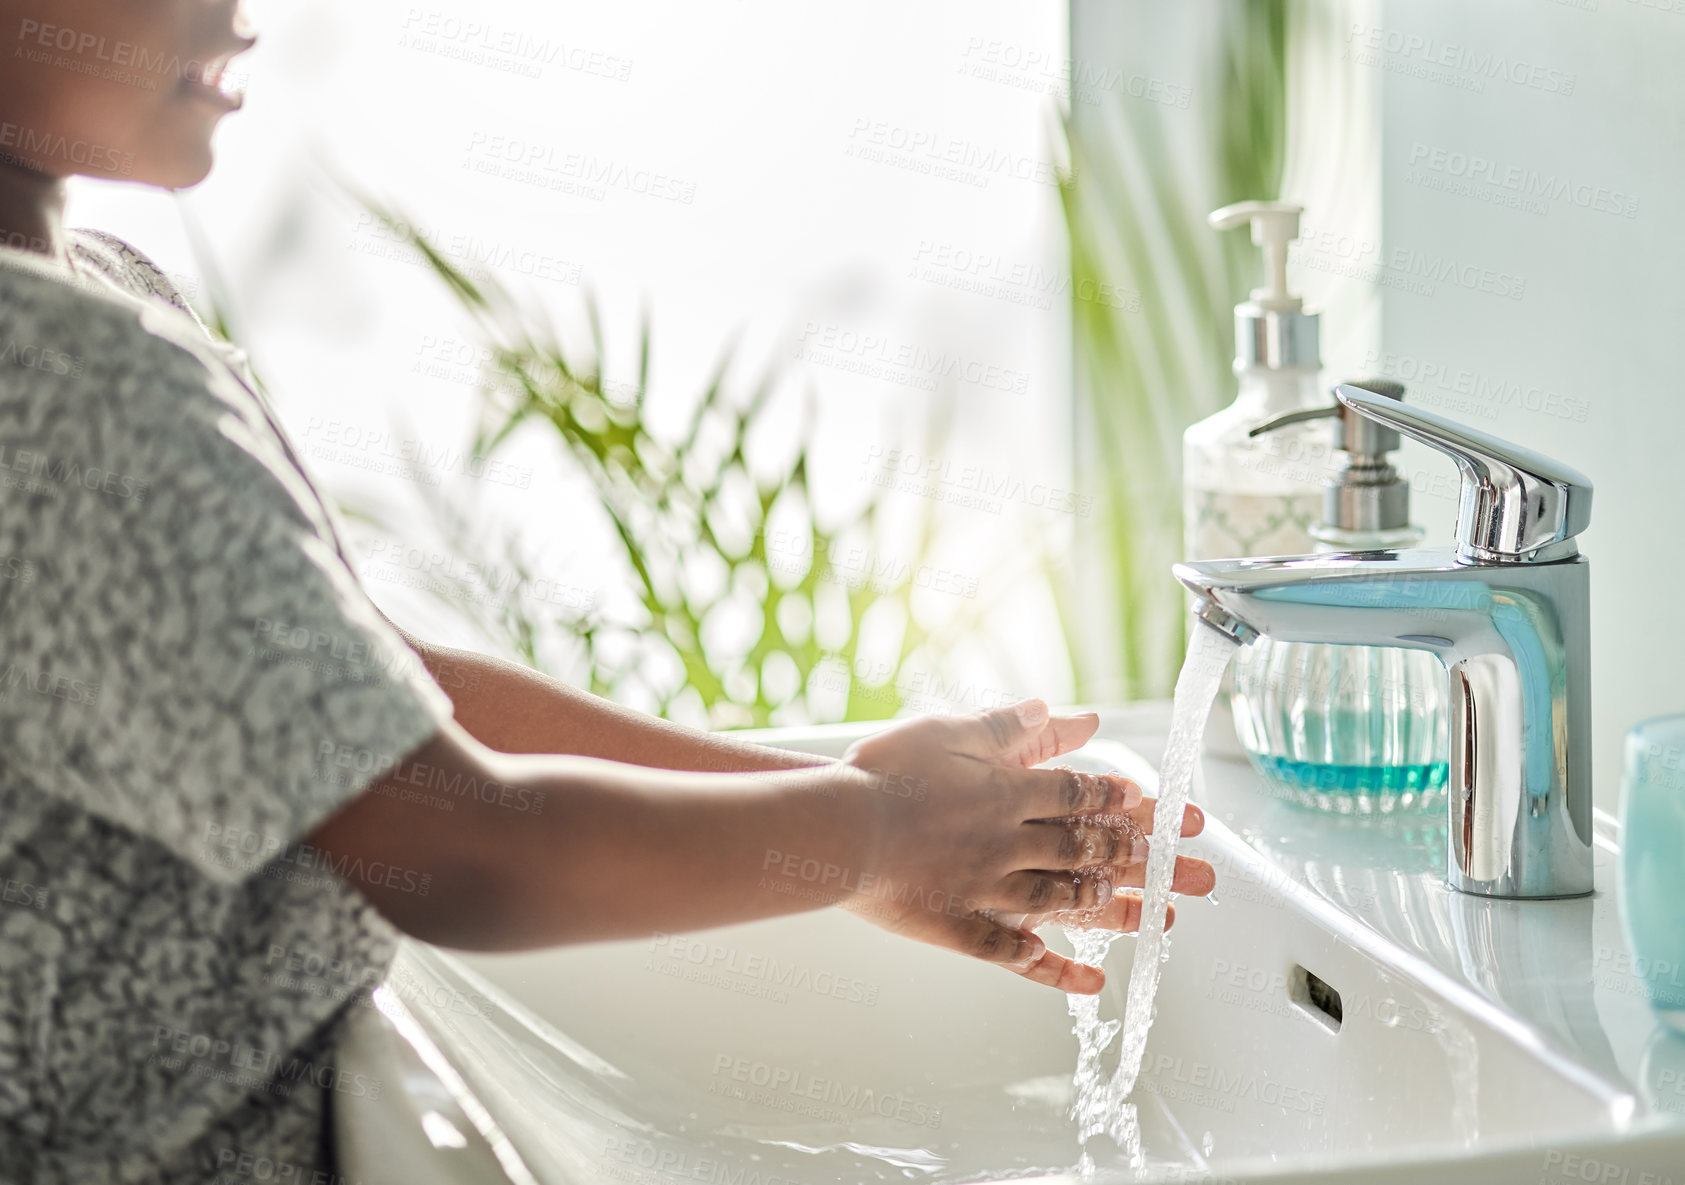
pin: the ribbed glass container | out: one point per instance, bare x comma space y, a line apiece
1354, 730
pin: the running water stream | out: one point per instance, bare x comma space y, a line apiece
1102, 1104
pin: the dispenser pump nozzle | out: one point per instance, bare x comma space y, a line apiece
1274, 225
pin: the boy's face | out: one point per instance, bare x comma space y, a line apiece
129, 89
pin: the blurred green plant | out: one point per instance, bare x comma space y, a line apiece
706, 544
1145, 368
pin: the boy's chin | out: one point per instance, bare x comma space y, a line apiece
182, 170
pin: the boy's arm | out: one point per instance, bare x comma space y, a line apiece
553, 849
513, 709
560, 849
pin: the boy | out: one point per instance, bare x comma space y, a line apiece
208, 732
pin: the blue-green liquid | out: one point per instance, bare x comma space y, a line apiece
1355, 779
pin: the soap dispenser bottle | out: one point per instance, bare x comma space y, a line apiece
1244, 495
1349, 729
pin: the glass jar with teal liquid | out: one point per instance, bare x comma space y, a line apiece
1359, 730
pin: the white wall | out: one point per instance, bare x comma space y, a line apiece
1580, 359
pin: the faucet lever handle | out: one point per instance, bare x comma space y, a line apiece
1515, 502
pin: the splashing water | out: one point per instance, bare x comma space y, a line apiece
1102, 1104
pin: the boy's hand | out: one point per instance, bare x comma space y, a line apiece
975, 849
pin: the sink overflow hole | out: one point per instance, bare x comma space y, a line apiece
1317, 997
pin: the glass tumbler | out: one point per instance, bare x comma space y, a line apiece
1653, 861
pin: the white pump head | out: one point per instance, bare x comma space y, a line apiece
1274, 225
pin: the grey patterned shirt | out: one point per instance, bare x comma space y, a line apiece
190, 679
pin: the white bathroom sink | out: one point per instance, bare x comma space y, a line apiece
1472, 1040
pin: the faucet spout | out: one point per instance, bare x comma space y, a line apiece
1515, 641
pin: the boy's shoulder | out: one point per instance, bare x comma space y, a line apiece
96, 383
76, 347
40, 298
112, 286
131, 268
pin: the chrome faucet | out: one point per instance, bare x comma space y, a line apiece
1506, 610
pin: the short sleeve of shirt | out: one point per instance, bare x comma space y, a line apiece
183, 648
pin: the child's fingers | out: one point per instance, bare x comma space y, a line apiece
1001, 735
1038, 891
1067, 975
982, 937
1080, 843
1132, 795
1010, 942
1057, 735
1034, 891
1063, 793
1115, 792
1123, 914
1193, 819
1063, 734
1193, 878
1024, 734
1023, 953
